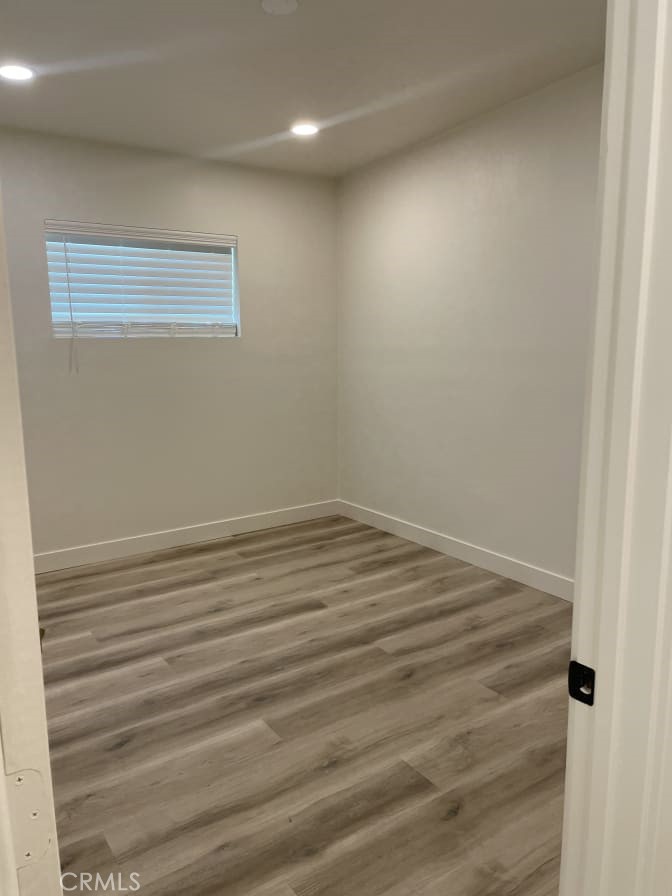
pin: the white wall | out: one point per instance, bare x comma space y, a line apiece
159, 434
466, 286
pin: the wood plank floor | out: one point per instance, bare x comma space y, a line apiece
321, 709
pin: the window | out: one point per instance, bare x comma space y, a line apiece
126, 281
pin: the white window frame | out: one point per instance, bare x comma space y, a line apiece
149, 235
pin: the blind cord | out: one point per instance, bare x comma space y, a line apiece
73, 363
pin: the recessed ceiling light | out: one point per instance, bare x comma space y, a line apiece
16, 73
279, 7
305, 129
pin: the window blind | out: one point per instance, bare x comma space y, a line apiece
115, 282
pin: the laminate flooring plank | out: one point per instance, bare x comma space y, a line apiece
408, 676
244, 588
433, 633
522, 859
54, 649
281, 579
187, 570
154, 788
199, 609
531, 671
230, 745
524, 729
364, 546
440, 832
280, 847
311, 530
72, 694
120, 749
295, 775
211, 699
141, 647
348, 627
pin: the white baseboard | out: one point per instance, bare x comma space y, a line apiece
543, 579
170, 538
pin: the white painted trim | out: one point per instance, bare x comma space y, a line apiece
619, 775
29, 863
543, 579
170, 538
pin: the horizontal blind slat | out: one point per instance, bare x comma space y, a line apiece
139, 318
113, 263
135, 248
132, 292
62, 313
115, 305
110, 284
61, 268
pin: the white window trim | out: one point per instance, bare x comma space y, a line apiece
116, 231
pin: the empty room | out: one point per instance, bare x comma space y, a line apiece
302, 299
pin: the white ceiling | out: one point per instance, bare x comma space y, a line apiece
222, 79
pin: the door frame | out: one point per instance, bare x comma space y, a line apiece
29, 864
617, 771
